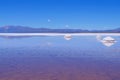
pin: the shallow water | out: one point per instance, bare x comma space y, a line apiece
54, 58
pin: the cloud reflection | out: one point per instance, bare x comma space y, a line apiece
68, 37
108, 41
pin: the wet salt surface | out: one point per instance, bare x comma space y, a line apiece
58, 68
53, 58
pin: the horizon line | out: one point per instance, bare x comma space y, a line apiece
57, 28
59, 34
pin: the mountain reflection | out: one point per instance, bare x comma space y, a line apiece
107, 41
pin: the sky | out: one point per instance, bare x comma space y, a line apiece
82, 14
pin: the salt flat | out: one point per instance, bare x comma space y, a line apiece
59, 34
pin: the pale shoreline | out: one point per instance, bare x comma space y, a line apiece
59, 34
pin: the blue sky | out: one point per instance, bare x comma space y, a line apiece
84, 14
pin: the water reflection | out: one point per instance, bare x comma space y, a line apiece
107, 41
68, 37
54, 58
58, 46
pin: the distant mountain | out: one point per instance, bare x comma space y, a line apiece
24, 29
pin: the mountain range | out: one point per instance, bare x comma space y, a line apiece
24, 29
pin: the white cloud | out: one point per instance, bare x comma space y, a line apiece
49, 20
66, 26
